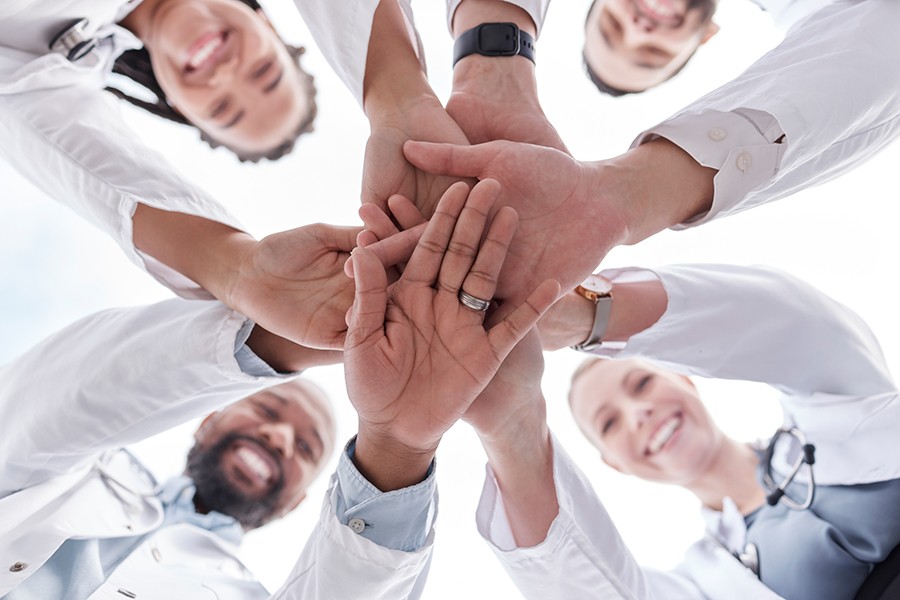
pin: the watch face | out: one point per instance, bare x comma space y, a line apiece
597, 284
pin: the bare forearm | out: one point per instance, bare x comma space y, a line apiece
661, 186
471, 13
636, 306
285, 356
206, 251
394, 76
522, 462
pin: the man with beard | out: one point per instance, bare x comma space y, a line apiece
81, 518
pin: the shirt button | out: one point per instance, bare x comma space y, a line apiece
717, 134
357, 525
744, 160
19, 566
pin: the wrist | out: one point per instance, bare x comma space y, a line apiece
388, 463
521, 432
567, 323
285, 356
471, 13
208, 252
660, 186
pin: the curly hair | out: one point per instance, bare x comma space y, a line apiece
136, 66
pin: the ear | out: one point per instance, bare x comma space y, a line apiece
615, 465
711, 30
201, 432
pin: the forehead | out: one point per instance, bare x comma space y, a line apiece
295, 401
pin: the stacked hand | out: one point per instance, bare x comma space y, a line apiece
416, 357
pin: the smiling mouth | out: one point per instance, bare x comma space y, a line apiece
661, 11
255, 466
663, 434
206, 51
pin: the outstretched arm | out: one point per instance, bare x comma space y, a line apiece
122, 375
733, 322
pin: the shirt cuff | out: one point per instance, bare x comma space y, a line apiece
743, 145
399, 520
247, 360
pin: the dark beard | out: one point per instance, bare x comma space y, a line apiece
215, 492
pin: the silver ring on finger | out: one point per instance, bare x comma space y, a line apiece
470, 301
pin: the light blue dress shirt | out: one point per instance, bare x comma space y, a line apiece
399, 520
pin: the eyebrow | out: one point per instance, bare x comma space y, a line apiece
274, 83
234, 121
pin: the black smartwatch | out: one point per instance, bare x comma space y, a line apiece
494, 39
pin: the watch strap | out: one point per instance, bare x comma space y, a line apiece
602, 309
494, 39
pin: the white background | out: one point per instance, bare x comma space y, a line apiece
54, 269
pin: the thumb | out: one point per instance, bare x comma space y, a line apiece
366, 316
450, 159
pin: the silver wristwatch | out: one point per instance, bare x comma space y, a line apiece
598, 290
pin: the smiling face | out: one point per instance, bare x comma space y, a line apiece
645, 420
255, 459
633, 45
224, 68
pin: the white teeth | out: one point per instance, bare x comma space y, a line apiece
661, 8
204, 52
255, 462
663, 434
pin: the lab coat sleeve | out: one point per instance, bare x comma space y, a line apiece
819, 104
536, 9
89, 160
115, 378
759, 324
583, 555
338, 564
342, 31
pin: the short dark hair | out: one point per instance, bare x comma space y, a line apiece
137, 66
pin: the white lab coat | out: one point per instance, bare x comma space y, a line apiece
728, 322
813, 108
113, 379
64, 134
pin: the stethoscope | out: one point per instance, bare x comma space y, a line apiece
73, 41
144, 486
777, 492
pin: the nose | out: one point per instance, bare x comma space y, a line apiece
640, 414
279, 436
224, 73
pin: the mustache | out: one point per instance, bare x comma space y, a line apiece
216, 493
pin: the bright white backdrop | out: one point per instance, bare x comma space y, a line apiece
54, 269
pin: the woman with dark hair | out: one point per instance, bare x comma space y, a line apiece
221, 67
215, 63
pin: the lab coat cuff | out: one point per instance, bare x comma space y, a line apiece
742, 145
400, 519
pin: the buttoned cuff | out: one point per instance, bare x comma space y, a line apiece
742, 145
400, 520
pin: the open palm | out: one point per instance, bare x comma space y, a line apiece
415, 357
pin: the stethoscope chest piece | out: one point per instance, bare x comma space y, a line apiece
73, 41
